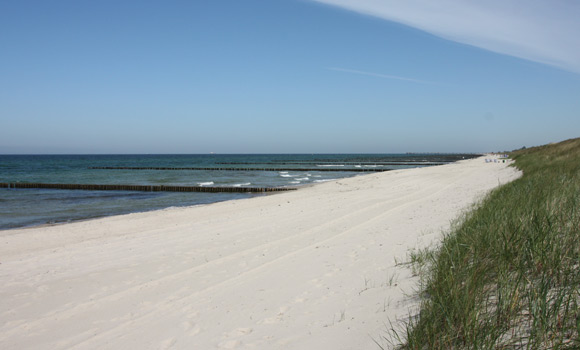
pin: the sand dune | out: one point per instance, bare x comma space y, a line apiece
310, 269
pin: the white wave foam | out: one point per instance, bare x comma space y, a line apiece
205, 183
325, 180
294, 182
240, 185
357, 166
329, 164
302, 179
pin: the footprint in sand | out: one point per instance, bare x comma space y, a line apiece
301, 298
42, 288
317, 282
167, 344
234, 343
229, 344
331, 273
269, 320
277, 318
240, 331
353, 254
190, 327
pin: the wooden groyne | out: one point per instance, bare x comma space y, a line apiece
147, 188
338, 163
337, 169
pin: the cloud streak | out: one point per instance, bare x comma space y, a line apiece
544, 31
378, 75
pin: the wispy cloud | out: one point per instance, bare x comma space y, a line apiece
378, 75
544, 31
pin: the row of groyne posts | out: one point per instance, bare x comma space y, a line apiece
163, 188
354, 170
147, 188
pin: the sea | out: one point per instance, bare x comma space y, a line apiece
33, 207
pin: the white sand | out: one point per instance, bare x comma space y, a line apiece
310, 269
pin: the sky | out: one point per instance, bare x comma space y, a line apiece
287, 76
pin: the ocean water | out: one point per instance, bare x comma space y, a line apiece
29, 207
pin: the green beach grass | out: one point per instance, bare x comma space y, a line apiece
507, 276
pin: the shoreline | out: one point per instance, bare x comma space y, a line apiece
21, 209
252, 195
299, 270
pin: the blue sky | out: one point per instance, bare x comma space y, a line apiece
287, 76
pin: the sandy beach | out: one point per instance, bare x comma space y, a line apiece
309, 269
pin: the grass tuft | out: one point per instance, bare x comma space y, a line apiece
508, 276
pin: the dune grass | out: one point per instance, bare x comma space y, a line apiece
508, 274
